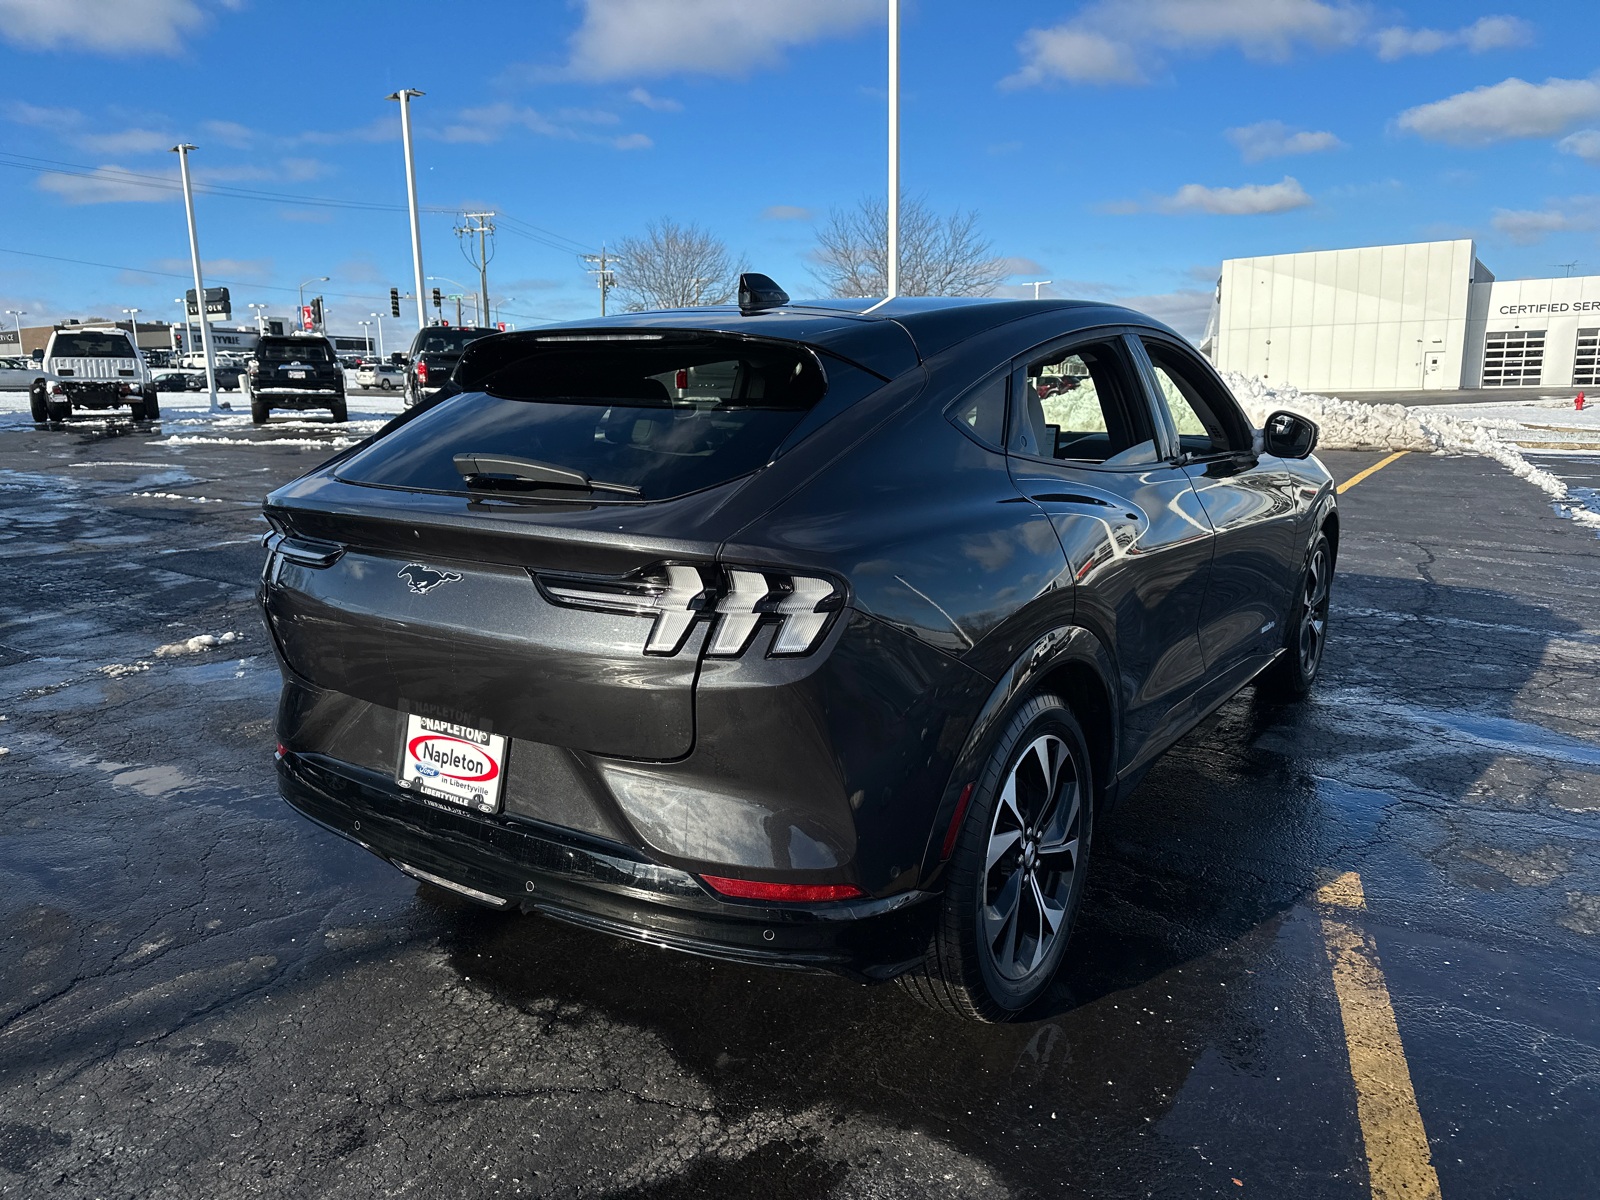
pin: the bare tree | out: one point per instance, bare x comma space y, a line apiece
675, 266
938, 256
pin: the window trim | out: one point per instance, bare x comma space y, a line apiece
1062, 344
1163, 416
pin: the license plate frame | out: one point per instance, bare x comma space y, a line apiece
455, 763
297, 374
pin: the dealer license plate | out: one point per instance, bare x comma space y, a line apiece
297, 374
453, 762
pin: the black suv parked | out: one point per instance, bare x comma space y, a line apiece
294, 371
433, 356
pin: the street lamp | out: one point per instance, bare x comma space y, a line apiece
182, 151
188, 332
404, 96
367, 337
261, 319
379, 316
1039, 283
133, 328
318, 279
17, 314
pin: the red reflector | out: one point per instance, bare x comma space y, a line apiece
683, 379
955, 822
748, 889
282, 750
422, 372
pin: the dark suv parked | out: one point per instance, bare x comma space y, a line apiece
433, 356
792, 634
294, 371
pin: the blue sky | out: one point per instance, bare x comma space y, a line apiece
1121, 148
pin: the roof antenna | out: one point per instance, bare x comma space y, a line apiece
758, 292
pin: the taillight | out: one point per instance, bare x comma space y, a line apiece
683, 378
749, 889
799, 605
422, 372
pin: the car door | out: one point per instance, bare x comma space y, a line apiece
1250, 499
1084, 446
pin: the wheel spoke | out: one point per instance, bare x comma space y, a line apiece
1049, 912
1008, 803
998, 915
1063, 812
999, 843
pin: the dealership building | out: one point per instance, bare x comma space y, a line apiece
1427, 315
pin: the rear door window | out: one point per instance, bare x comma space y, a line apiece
640, 417
1080, 404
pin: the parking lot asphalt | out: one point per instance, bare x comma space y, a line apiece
1310, 930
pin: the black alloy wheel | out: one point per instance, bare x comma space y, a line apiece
1015, 880
260, 410
1306, 636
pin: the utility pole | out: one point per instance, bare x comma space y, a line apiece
894, 150
182, 151
485, 252
605, 278
697, 284
404, 96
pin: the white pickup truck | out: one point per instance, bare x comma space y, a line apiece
93, 368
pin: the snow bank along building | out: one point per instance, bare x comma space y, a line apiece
1397, 318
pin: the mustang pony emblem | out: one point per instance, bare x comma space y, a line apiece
421, 579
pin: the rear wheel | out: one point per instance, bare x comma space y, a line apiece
1015, 880
386, 385
340, 410
259, 410
1292, 676
38, 401
58, 410
152, 404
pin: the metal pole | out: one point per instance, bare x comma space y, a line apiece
182, 151
894, 149
17, 314
379, 316
404, 96
483, 271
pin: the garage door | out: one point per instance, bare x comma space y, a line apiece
1585, 370
1514, 358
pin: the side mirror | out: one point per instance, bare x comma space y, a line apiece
1289, 435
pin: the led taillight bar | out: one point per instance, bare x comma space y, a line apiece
749, 889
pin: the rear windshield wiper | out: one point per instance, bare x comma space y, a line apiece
528, 470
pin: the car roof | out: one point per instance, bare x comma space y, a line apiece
855, 328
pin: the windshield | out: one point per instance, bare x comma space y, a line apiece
91, 345
440, 340
666, 419
303, 350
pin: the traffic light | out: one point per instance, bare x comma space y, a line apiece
394, 302
316, 312
438, 300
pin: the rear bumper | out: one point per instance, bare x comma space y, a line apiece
297, 397
513, 862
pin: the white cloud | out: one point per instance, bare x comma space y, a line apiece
785, 212
112, 27
1585, 144
636, 39
491, 122
1017, 264
56, 120
1484, 34
632, 141
379, 129
228, 268
126, 141
657, 103
105, 185
229, 133
1185, 310
1120, 41
1274, 139
1576, 214
1253, 199
1510, 109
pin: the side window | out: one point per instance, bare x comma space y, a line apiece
1207, 421
1081, 405
982, 412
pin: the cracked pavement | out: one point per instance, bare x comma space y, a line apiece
204, 994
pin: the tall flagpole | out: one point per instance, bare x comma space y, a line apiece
894, 148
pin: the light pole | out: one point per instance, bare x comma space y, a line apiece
261, 319
894, 149
404, 96
367, 335
182, 151
133, 329
16, 314
379, 316
318, 279
1039, 283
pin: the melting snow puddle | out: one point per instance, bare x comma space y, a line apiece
1516, 738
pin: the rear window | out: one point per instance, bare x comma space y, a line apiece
298, 350
440, 340
91, 345
650, 418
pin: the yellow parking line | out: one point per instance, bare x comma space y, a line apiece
1399, 1162
1360, 475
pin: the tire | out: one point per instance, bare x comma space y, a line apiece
152, 405
260, 410
58, 410
386, 384
136, 410
1305, 634
995, 948
38, 402
340, 410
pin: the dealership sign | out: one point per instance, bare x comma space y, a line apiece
218, 303
1514, 310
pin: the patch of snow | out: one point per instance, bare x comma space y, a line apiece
333, 443
117, 670
1352, 425
195, 645
175, 496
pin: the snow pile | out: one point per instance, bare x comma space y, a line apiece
195, 645
1351, 425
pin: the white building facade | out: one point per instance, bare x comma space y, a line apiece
1422, 316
